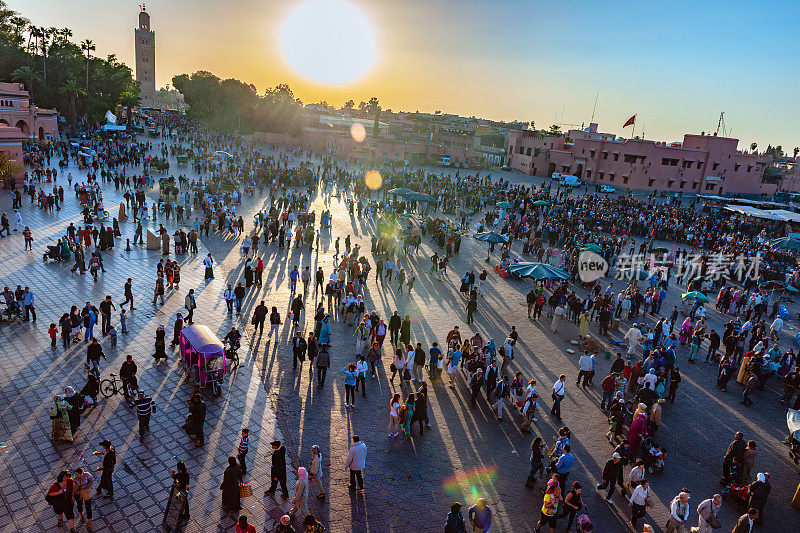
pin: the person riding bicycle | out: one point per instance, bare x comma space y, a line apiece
233, 337
127, 373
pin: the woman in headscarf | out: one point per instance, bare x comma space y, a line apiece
686, 331
75, 402
230, 486
325, 331
161, 344
59, 416
176, 331
638, 429
300, 500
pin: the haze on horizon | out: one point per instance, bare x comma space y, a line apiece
676, 65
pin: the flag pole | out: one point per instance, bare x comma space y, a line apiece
633, 131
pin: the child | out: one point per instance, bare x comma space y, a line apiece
439, 366
244, 445
123, 319
112, 333
53, 331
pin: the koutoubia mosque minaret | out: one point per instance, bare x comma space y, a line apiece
145, 40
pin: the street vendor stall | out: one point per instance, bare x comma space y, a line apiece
203, 355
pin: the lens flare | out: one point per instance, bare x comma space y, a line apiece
373, 179
358, 132
468, 479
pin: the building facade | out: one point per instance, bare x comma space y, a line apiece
700, 164
17, 111
11, 140
145, 48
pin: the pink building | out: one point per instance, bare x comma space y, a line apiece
700, 164
11, 140
16, 110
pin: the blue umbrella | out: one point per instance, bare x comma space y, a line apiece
538, 271
491, 236
785, 243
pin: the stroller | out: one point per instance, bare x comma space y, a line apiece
793, 438
739, 491
653, 457
51, 253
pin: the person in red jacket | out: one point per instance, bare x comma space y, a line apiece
608, 384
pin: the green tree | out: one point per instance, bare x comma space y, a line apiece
753, 146
555, 129
349, 105
9, 169
28, 76
72, 89
373, 109
88, 47
129, 99
796, 151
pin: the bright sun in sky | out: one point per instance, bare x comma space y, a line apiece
329, 42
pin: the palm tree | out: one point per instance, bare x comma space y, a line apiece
9, 170
373, 109
796, 151
26, 75
555, 129
87, 46
72, 89
19, 23
130, 98
753, 146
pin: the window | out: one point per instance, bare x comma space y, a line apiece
710, 186
591, 154
749, 168
669, 184
651, 182
625, 179
521, 150
699, 164
611, 177
714, 166
683, 184
694, 185
605, 155
588, 173
629, 158
616, 157
600, 175
736, 167
528, 152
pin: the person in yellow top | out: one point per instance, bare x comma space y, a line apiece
552, 496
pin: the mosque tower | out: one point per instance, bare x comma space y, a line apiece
145, 46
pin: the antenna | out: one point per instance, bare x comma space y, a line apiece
721, 124
595, 105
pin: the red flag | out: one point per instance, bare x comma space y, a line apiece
630, 122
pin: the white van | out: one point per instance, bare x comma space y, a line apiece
567, 180
443, 161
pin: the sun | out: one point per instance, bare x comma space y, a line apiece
329, 42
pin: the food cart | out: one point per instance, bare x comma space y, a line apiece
203, 355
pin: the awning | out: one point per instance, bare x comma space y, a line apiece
202, 339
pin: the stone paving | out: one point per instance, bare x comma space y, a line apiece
409, 482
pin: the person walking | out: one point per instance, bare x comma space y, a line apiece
208, 262
60, 496
259, 317
612, 475
83, 483
274, 322
109, 454
501, 392
300, 500
191, 304
278, 469
350, 380
323, 362
356, 462
558, 396
678, 513
747, 522
144, 408
128, 294
640, 500
180, 478
197, 412
315, 472
480, 516
241, 452
707, 514
231, 496
454, 523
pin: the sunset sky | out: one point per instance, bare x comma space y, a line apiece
676, 64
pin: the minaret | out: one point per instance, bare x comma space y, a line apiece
146, 59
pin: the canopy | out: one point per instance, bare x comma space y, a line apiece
401, 191
538, 271
785, 243
694, 295
777, 285
419, 197
491, 236
592, 247
504, 204
202, 339
541, 202
635, 273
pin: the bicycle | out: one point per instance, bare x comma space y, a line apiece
109, 387
232, 354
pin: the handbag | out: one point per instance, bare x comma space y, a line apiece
245, 490
393, 368
714, 522
407, 374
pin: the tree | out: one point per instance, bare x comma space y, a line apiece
26, 75
9, 170
532, 126
72, 89
129, 99
87, 46
796, 151
753, 146
555, 129
349, 105
373, 109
